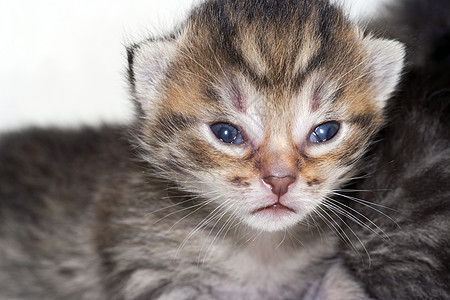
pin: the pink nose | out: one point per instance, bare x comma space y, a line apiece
279, 185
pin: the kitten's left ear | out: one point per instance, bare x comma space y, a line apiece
385, 63
147, 66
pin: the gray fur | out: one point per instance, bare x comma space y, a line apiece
82, 218
125, 213
78, 222
410, 257
408, 179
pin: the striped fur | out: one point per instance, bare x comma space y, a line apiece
178, 214
274, 69
409, 173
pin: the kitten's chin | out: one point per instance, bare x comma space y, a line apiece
273, 218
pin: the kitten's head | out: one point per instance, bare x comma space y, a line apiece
262, 107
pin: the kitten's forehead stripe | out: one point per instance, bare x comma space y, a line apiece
275, 70
251, 49
310, 44
272, 44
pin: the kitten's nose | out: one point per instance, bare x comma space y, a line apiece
279, 185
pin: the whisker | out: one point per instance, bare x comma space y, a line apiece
198, 205
172, 205
317, 226
337, 230
352, 69
361, 201
370, 205
284, 237
333, 204
358, 190
355, 235
215, 236
235, 218
293, 236
208, 219
353, 80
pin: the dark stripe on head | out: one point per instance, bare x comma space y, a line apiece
177, 121
211, 93
363, 120
169, 124
329, 21
130, 57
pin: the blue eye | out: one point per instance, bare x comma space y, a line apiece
324, 132
227, 133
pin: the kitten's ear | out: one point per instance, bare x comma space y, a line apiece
147, 66
385, 64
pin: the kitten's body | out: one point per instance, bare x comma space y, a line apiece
189, 214
100, 239
408, 194
408, 178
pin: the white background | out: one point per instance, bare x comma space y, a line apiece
63, 62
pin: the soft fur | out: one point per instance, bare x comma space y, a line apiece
164, 209
407, 254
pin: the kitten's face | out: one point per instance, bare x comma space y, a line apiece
265, 120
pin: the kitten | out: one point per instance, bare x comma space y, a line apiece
423, 25
409, 253
248, 116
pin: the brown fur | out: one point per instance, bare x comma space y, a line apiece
199, 217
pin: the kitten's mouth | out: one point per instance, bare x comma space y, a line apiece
275, 208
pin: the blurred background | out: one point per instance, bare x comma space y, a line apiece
63, 62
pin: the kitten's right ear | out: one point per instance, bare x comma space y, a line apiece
147, 66
385, 61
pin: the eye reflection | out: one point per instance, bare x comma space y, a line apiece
324, 132
227, 133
